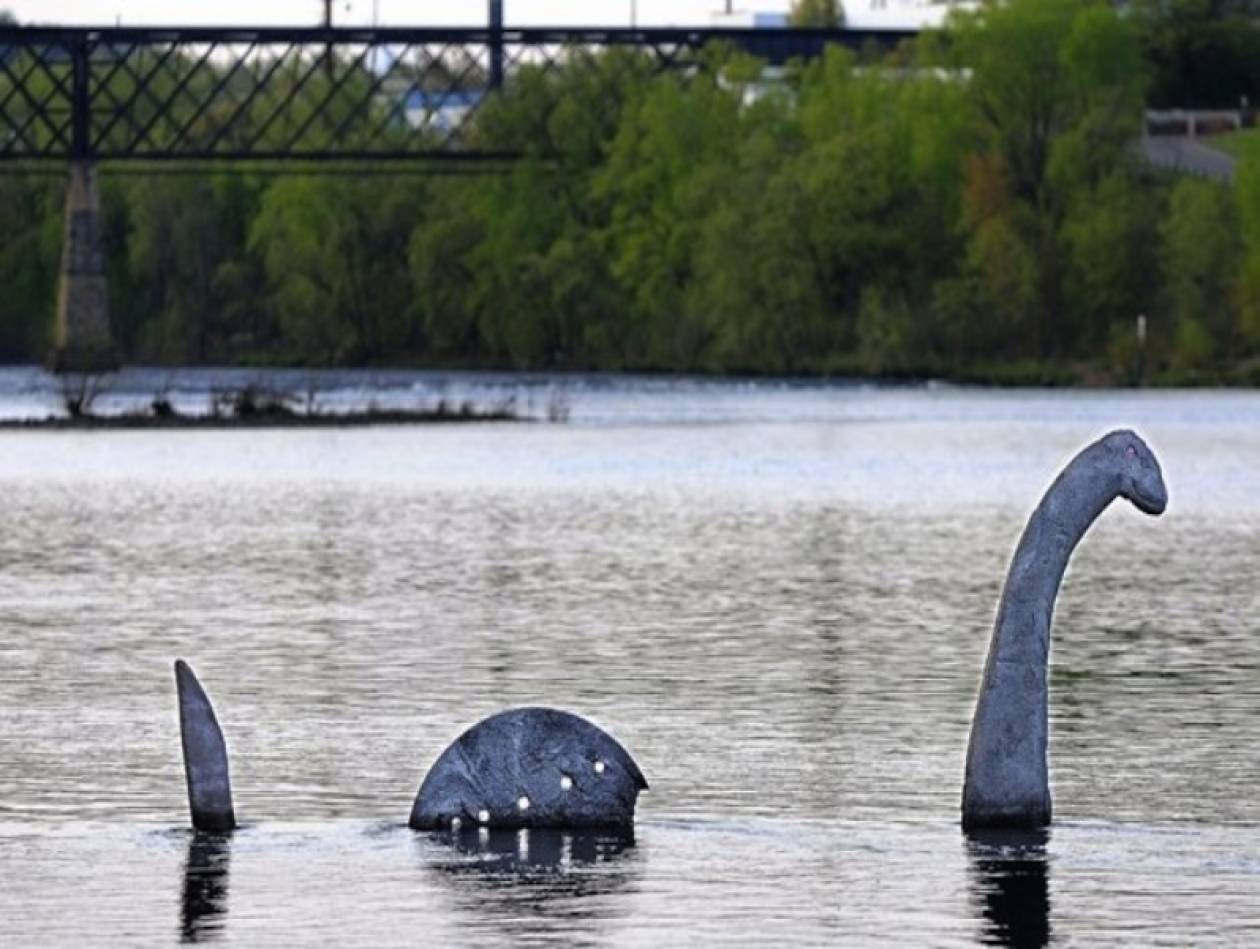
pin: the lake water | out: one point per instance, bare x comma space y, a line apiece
777, 596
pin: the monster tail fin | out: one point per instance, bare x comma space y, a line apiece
205, 756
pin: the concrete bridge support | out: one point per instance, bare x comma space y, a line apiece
82, 342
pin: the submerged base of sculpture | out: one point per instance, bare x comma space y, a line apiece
530, 767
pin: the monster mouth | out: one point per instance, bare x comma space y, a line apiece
1151, 502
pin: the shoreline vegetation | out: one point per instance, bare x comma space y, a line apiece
256, 405
971, 207
282, 419
140, 421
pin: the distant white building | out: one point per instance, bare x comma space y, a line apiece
443, 112
858, 14
748, 19
898, 14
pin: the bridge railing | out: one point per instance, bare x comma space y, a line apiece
259, 94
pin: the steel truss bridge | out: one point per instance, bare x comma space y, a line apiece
319, 95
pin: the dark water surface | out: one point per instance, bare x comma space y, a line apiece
777, 596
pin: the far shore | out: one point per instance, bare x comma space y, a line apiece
135, 421
256, 404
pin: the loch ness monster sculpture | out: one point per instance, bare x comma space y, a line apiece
542, 767
1007, 781
525, 767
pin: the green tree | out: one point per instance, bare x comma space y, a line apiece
440, 257
30, 249
539, 284
1247, 198
883, 165
1200, 257
1001, 267
816, 13
754, 288
335, 256
1203, 53
1056, 88
974, 199
1110, 236
666, 168
184, 237
1056, 85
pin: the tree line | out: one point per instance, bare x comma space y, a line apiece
971, 206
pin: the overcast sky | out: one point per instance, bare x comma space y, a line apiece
360, 12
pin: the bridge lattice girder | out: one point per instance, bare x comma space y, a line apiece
262, 94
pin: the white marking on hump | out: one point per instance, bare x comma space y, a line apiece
522, 803
599, 767
566, 782
483, 816
455, 822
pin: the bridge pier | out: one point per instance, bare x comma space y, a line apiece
82, 341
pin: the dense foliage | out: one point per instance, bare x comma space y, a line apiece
816, 13
1203, 53
973, 208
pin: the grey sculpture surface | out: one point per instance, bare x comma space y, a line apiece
1007, 783
530, 767
205, 756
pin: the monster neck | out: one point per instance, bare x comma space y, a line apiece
1007, 780
1080, 493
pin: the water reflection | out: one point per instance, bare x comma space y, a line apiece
751, 608
1010, 886
533, 882
204, 904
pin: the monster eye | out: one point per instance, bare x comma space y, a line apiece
1131, 451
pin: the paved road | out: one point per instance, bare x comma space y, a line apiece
1189, 155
